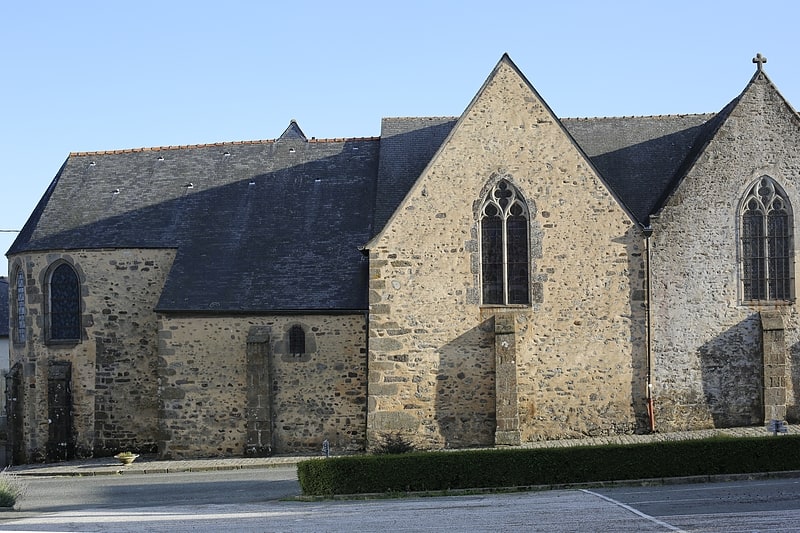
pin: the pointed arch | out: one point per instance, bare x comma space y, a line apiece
64, 303
19, 308
505, 246
766, 247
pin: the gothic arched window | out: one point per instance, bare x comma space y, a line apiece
19, 307
505, 259
297, 340
65, 304
766, 235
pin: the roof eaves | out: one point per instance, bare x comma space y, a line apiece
259, 312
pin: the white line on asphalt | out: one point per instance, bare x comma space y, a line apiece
634, 511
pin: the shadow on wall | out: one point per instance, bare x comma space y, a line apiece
465, 388
636, 252
792, 407
731, 366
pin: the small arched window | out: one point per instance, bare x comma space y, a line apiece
19, 307
65, 304
297, 340
505, 257
766, 243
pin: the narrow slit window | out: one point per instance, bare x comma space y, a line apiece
21, 331
297, 340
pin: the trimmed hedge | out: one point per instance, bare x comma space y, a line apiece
495, 468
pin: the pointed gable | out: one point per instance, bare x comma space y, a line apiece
507, 120
745, 118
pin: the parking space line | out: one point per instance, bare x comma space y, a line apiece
634, 511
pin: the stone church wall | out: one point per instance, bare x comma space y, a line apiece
208, 408
706, 343
113, 379
579, 347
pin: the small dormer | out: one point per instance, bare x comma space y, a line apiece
293, 133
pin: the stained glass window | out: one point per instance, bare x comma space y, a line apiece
65, 318
766, 243
505, 259
20, 299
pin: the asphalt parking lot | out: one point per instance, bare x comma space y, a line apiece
770, 504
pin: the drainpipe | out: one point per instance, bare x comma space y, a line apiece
648, 232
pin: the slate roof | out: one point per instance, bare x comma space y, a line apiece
4, 309
407, 146
268, 225
276, 226
639, 156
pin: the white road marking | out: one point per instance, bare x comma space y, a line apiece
634, 511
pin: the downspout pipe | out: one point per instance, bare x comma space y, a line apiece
648, 232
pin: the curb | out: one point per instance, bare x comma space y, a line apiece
94, 467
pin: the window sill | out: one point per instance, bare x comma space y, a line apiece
767, 303
62, 342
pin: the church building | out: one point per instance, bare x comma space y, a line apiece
492, 279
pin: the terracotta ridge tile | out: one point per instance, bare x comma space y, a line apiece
673, 115
209, 145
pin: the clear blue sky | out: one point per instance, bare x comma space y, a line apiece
85, 76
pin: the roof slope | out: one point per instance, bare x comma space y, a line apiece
258, 226
639, 156
276, 225
407, 146
269, 226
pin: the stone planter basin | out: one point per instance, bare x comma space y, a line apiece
126, 458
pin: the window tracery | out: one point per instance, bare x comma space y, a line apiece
505, 261
766, 247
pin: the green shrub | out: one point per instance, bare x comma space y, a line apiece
437, 471
11, 489
393, 443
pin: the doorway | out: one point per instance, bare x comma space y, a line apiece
60, 445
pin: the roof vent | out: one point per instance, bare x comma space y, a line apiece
291, 150
116, 191
226, 154
189, 185
252, 182
92, 163
161, 158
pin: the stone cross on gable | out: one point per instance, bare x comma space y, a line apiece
760, 60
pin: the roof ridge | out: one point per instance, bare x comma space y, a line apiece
211, 145
418, 117
669, 115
